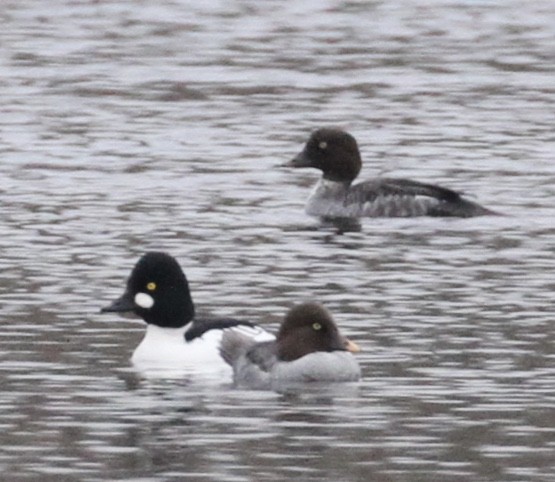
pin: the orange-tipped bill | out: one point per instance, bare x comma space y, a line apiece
351, 346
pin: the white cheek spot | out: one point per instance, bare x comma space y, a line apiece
323, 145
144, 301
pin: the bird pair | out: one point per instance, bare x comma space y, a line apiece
307, 348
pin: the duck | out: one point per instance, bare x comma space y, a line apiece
308, 348
175, 339
335, 152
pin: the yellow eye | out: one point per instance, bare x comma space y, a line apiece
151, 286
317, 326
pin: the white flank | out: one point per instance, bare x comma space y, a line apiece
165, 352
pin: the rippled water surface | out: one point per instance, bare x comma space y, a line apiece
131, 125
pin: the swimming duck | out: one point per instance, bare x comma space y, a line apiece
307, 348
335, 152
158, 292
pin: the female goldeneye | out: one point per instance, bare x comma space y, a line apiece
336, 154
308, 348
158, 292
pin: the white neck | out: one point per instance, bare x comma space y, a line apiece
160, 344
326, 198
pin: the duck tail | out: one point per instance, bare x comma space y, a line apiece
463, 208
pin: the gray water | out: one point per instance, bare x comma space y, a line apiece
127, 126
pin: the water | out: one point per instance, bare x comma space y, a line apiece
130, 126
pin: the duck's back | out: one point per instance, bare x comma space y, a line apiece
386, 197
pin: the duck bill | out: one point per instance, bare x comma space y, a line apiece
351, 346
300, 160
122, 304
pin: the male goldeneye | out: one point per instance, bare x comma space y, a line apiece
336, 154
308, 348
158, 292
